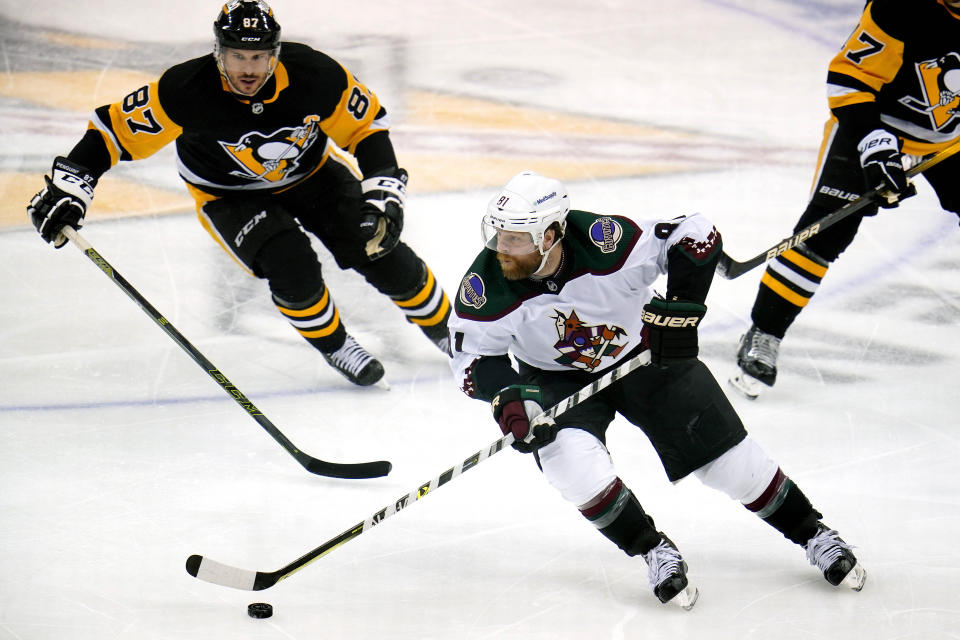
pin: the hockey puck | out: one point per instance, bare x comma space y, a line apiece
259, 610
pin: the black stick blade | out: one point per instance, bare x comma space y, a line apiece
357, 471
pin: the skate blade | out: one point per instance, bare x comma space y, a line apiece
382, 384
746, 384
688, 597
855, 579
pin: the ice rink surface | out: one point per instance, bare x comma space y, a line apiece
119, 457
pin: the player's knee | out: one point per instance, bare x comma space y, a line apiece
743, 472
396, 273
577, 465
290, 266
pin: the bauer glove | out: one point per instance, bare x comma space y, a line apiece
514, 407
671, 328
63, 202
883, 167
381, 214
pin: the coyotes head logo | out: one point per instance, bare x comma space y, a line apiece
583, 346
940, 80
272, 157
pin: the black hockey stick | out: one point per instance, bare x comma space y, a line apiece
311, 464
227, 576
730, 268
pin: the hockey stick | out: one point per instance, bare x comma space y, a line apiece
730, 268
311, 464
227, 576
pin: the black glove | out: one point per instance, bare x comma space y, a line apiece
883, 168
63, 202
381, 214
513, 409
672, 330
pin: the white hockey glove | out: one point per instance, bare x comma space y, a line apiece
883, 167
381, 214
63, 202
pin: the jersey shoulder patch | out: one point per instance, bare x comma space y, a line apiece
484, 294
600, 243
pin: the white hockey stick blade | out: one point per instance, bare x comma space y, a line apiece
217, 573
688, 597
746, 384
856, 578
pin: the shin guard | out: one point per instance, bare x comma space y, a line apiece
785, 508
617, 513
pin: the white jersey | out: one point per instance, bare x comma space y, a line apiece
585, 317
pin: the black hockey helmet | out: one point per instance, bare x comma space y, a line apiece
247, 24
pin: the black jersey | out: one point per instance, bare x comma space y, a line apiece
900, 69
227, 143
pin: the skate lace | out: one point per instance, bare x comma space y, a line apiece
663, 561
825, 548
763, 347
351, 357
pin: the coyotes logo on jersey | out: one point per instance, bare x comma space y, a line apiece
272, 157
940, 83
584, 346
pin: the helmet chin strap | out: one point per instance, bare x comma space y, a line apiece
543, 261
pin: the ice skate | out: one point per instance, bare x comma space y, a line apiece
668, 575
356, 365
829, 553
757, 359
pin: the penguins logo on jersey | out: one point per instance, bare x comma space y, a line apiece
472, 291
272, 157
606, 233
940, 82
583, 346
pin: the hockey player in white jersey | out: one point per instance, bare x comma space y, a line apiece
568, 294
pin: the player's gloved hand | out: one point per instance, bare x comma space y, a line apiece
63, 201
672, 330
883, 167
381, 214
514, 407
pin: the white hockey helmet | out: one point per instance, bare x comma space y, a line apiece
528, 204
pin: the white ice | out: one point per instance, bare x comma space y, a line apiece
119, 457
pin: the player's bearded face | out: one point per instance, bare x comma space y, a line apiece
247, 71
517, 255
519, 267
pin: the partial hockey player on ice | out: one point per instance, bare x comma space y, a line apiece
262, 132
568, 295
893, 91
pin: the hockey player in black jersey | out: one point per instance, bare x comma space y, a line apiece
568, 295
893, 91
263, 132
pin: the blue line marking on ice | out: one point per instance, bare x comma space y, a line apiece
159, 402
